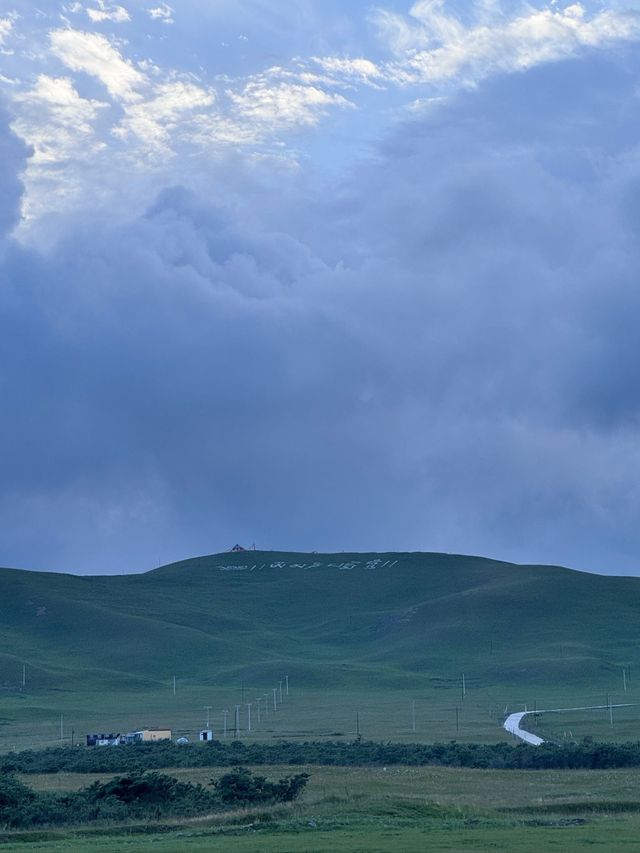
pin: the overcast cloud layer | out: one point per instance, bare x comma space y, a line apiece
337, 281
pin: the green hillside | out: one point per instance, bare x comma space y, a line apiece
374, 632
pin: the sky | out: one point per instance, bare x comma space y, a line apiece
319, 275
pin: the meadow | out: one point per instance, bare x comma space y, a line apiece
396, 646
384, 810
409, 648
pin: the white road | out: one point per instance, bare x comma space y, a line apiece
512, 723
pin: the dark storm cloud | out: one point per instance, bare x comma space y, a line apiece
439, 354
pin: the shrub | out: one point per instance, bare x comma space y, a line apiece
242, 787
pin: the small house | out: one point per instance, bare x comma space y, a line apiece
103, 739
206, 735
148, 735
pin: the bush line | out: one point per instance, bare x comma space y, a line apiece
156, 756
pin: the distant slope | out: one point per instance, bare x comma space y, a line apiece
395, 618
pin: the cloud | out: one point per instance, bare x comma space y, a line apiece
437, 351
434, 46
69, 128
115, 14
272, 102
13, 160
155, 120
163, 13
95, 55
177, 105
6, 25
343, 69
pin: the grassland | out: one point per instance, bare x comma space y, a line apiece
361, 637
386, 810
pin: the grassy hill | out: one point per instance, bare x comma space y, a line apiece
370, 632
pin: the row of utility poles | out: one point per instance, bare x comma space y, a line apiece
265, 704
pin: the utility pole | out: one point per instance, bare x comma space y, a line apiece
61, 727
224, 724
208, 709
286, 681
624, 678
457, 719
280, 685
24, 675
237, 726
258, 701
413, 716
357, 724
464, 687
275, 698
248, 716
266, 704
174, 685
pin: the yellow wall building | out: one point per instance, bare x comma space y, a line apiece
153, 734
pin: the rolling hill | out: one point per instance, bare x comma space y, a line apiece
341, 625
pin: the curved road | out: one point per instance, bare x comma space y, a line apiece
512, 723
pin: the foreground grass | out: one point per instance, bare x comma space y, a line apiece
459, 787
383, 811
360, 839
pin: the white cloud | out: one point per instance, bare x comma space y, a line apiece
342, 72
115, 14
60, 126
163, 110
96, 55
6, 25
70, 119
359, 69
278, 103
155, 119
433, 46
163, 13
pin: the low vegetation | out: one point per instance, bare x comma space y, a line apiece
378, 809
155, 756
139, 797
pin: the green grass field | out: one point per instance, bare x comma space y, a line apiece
397, 809
375, 642
359, 635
